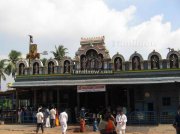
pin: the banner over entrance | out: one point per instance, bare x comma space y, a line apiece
91, 88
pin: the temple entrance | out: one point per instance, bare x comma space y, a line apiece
120, 96
92, 97
92, 101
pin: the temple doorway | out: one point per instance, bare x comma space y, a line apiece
120, 96
92, 101
92, 97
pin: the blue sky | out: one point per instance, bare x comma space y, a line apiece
128, 25
148, 8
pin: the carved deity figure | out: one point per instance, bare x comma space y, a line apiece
154, 62
66, 67
136, 63
84, 63
88, 63
92, 63
118, 64
174, 60
51, 68
36, 68
100, 62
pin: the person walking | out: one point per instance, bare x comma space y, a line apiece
176, 122
46, 116
52, 117
19, 115
40, 119
63, 118
121, 120
110, 127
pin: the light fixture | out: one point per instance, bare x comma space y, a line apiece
147, 94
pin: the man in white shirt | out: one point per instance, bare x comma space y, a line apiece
52, 117
121, 120
40, 118
63, 118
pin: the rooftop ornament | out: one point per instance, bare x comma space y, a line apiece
92, 38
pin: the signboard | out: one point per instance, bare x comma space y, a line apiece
91, 88
92, 72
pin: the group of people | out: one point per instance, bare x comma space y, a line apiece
106, 122
113, 125
50, 118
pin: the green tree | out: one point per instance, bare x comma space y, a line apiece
44, 61
14, 56
60, 52
2, 70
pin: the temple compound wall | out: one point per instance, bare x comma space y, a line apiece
94, 79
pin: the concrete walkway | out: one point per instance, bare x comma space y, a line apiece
30, 129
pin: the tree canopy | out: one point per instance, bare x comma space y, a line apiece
59, 52
13, 57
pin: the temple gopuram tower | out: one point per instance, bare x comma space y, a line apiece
92, 55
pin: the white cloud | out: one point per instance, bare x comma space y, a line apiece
66, 21
3, 57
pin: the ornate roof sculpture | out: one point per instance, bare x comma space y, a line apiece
93, 58
96, 43
154, 60
92, 55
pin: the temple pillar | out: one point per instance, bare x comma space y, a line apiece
105, 65
35, 98
123, 66
51, 96
78, 101
78, 66
160, 64
106, 99
149, 64
142, 65
45, 70
55, 69
17, 104
128, 100
130, 65
17, 99
168, 63
179, 97
41, 70
44, 96
26, 71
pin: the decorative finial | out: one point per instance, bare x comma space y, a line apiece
30, 39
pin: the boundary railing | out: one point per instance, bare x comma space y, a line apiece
142, 117
134, 118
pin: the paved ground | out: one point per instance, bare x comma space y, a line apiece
30, 129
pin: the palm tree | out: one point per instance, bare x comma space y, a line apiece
2, 71
14, 56
44, 61
60, 52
